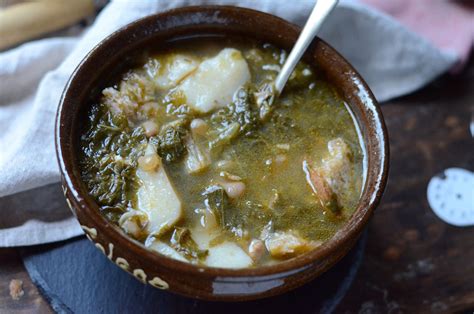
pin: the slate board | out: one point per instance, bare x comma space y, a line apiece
76, 278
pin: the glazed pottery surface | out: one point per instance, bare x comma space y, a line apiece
111, 57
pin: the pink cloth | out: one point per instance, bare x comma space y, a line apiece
448, 24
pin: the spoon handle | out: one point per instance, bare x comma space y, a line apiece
320, 11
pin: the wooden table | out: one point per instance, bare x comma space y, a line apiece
414, 262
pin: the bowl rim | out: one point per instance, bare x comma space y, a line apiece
283, 268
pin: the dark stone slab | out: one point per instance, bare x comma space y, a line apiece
76, 278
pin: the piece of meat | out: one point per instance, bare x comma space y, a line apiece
321, 188
256, 249
287, 244
332, 177
337, 167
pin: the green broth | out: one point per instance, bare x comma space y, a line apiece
266, 156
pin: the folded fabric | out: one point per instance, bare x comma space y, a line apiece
448, 24
392, 59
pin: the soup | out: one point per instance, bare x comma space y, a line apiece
191, 153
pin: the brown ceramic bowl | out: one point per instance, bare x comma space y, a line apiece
110, 57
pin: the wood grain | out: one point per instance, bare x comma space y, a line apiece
415, 263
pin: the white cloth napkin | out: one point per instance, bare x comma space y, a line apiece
393, 60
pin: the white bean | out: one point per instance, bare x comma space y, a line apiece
151, 128
199, 126
224, 164
280, 159
283, 146
149, 162
234, 189
229, 176
131, 227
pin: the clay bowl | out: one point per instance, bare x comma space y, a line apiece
109, 58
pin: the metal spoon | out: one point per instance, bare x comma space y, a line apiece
320, 11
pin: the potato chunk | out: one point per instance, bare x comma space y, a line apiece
287, 244
166, 250
157, 198
215, 81
228, 255
224, 255
170, 70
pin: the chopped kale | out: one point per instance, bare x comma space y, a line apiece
244, 111
111, 148
247, 215
234, 217
265, 99
216, 201
239, 117
225, 135
170, 142
183, 243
